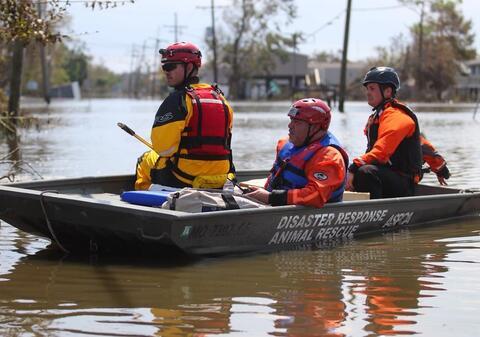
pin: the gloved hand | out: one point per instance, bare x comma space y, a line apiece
442, 175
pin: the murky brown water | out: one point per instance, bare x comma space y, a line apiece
423, 281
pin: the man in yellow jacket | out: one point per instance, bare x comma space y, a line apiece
191, 133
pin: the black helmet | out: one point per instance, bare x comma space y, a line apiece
382, 75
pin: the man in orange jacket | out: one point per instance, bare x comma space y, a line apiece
392, 163
310, 168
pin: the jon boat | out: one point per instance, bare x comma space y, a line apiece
86, 215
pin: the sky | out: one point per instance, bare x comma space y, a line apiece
111, 36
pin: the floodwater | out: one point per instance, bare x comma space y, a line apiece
419, 281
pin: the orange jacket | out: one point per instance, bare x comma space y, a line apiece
394, 126
430, 155
325, 173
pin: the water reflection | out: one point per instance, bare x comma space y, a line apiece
377, 286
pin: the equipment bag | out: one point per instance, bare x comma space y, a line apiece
196, 201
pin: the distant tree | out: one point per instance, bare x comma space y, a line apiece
432, 58
76, 65
418, 35
396, 55
449, 41
22, 24
329, 56
58, 54
4, 61
251, 37
442, 39
100, 81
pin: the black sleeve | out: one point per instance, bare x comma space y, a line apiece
278, 198
172, 109
353, 168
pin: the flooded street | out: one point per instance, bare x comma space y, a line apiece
420, 281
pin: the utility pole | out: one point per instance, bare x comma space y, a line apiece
419, 81
43, 60
214, 38
343, 74
15, 80
176, 28
155, 66
138, 72
214, 45
130, 75
154, 72
294, 65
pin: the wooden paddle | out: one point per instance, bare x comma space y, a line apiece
132, 133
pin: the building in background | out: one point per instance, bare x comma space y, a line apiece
69, 90
295, 75
286, 78
468, 84
328, 73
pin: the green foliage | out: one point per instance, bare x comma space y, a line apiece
100, 81
397, 54
25, 21
20, 21
76, 65
448, 42
328, 56
440, 41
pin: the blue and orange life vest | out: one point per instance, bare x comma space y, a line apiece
288, 171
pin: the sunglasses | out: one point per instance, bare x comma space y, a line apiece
169, 66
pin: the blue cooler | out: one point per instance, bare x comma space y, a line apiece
146, 198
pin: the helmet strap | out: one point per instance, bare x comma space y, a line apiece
191, 72
309, 136
187, 77
384, 101
185, 73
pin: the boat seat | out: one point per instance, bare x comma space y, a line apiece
108, 197
347, 195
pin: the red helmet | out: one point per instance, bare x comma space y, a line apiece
184, 52
312, 111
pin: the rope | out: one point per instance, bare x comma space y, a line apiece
49, 225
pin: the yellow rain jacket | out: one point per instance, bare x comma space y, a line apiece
191, 137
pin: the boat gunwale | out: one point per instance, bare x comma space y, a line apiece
179, 215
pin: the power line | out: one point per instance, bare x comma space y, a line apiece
364, 9
328, 23
177, 29
214, 38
